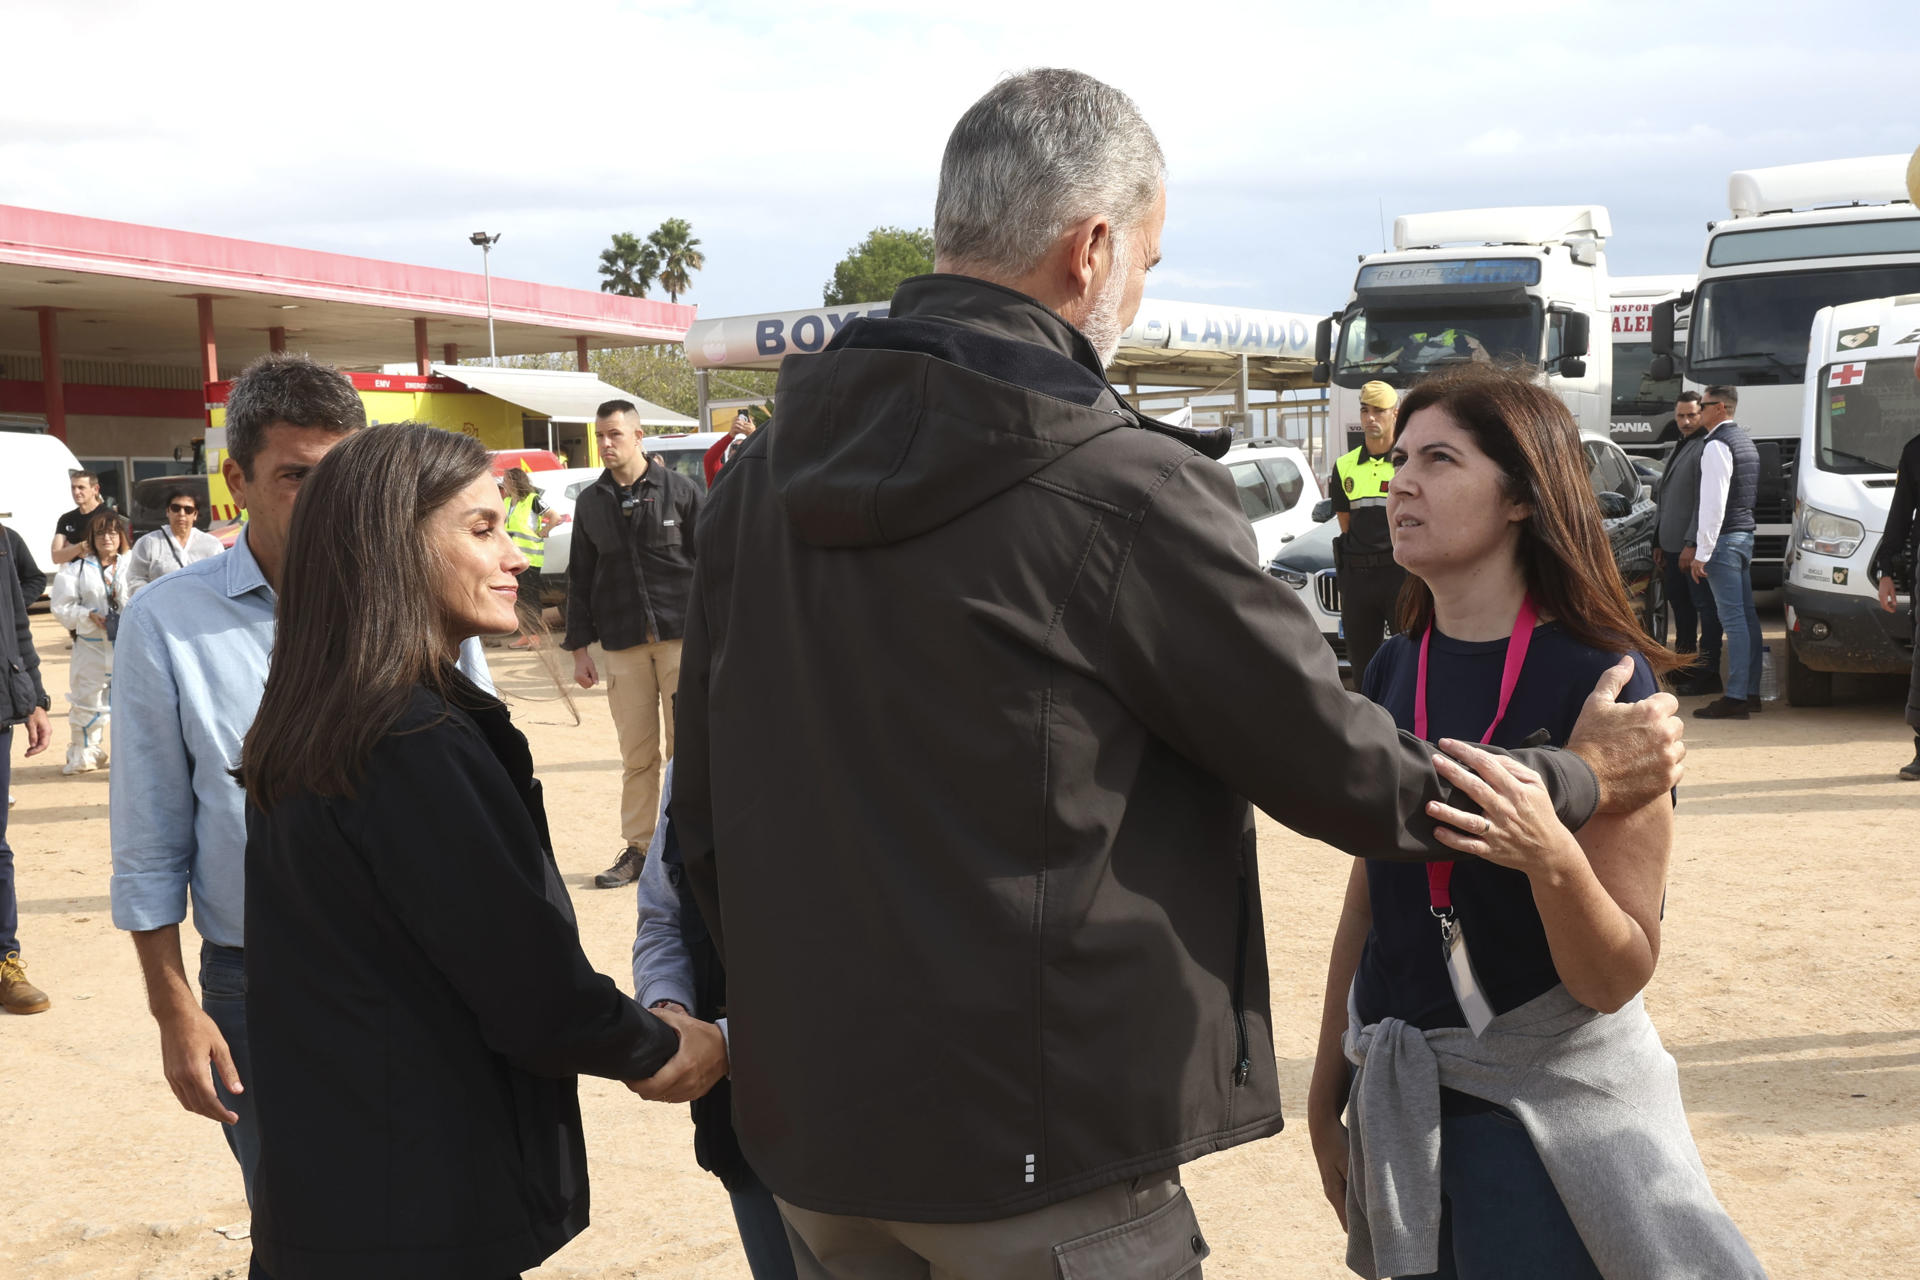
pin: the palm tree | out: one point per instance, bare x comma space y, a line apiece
678, 253
629, 266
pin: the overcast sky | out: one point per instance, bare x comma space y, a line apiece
784, 132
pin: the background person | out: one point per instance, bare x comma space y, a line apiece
23, 701
177, 545
1893, 564
70, 530
1721, 552
1696, 623
528, 523
676, 965
1363, 554
88, 594
721, 451
955, 755
192, 659
418, 1003
629, 573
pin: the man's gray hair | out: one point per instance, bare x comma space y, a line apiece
1042, 150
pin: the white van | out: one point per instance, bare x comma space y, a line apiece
36, 489
1861, 405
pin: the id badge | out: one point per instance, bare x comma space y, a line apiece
1466, 988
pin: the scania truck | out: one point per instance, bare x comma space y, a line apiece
1862, 405
1477, 284
1642, 413
1801, 237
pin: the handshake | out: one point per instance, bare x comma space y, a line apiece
698, 1065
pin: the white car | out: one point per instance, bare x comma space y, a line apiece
685, 452
1277, 491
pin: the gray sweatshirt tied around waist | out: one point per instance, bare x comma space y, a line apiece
1599, 1096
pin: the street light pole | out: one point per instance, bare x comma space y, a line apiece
486, 243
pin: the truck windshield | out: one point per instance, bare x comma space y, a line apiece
1399, 346
1869, 409
1635, 389
1750, 330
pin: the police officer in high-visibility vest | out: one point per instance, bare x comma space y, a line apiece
1363, 553
528, 521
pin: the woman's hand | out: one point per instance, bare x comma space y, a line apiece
97, 621
1516, 827
1329, 1138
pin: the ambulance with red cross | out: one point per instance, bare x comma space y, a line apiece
1861, 406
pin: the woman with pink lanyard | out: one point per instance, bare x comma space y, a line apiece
1510, 1111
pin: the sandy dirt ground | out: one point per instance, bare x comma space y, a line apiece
1789, 992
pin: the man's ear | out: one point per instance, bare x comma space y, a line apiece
236, 480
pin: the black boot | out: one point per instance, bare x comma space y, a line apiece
1912, 772
1723, 709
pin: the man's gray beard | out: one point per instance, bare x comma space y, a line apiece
1102, 326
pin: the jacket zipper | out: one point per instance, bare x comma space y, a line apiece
1243, 1065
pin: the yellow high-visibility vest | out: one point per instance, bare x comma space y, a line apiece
525, 532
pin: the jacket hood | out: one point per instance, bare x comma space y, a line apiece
906, 422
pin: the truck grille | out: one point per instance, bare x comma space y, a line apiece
1775, 502
1770, 546
1326, 589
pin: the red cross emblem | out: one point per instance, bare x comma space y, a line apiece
1846, 375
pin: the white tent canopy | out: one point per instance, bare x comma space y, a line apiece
559, 396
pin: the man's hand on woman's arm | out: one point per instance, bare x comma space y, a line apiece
1635, 749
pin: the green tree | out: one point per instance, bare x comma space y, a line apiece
629, 266
677, 253
871, 272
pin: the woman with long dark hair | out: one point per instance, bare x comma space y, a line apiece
417, 999
1510, 1109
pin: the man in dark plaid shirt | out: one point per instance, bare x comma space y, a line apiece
629, 574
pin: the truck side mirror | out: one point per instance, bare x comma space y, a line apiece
1323, 346
1574, 339
1661, 335
1573, 367
1660, 368
1322, 371
1323, 511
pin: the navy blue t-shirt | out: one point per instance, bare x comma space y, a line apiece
1401, 972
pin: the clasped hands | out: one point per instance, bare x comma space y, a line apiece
698, 1065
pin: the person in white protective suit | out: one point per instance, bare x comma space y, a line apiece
88, 594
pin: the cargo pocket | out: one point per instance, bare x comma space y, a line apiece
1164, 1244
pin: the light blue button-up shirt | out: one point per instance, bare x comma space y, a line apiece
190, 664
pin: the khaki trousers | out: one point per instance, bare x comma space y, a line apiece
1142, 1229
640, 686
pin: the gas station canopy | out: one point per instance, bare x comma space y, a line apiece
129, 294
1194, 345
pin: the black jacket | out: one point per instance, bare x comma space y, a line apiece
24, 584
1899, 546
418, 1006
628, 575
979, 668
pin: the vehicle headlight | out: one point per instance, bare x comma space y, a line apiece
1292, 577
1826, 534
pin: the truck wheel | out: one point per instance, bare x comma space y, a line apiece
1805, 686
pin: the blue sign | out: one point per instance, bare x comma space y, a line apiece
1442, 274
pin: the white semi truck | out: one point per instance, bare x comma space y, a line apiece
1801, 237
1641, 420
1861, 405
1477, 284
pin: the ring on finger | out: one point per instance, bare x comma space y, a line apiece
1486, 824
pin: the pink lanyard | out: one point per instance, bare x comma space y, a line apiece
1440, 874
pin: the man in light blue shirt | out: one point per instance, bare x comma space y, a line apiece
190, 665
